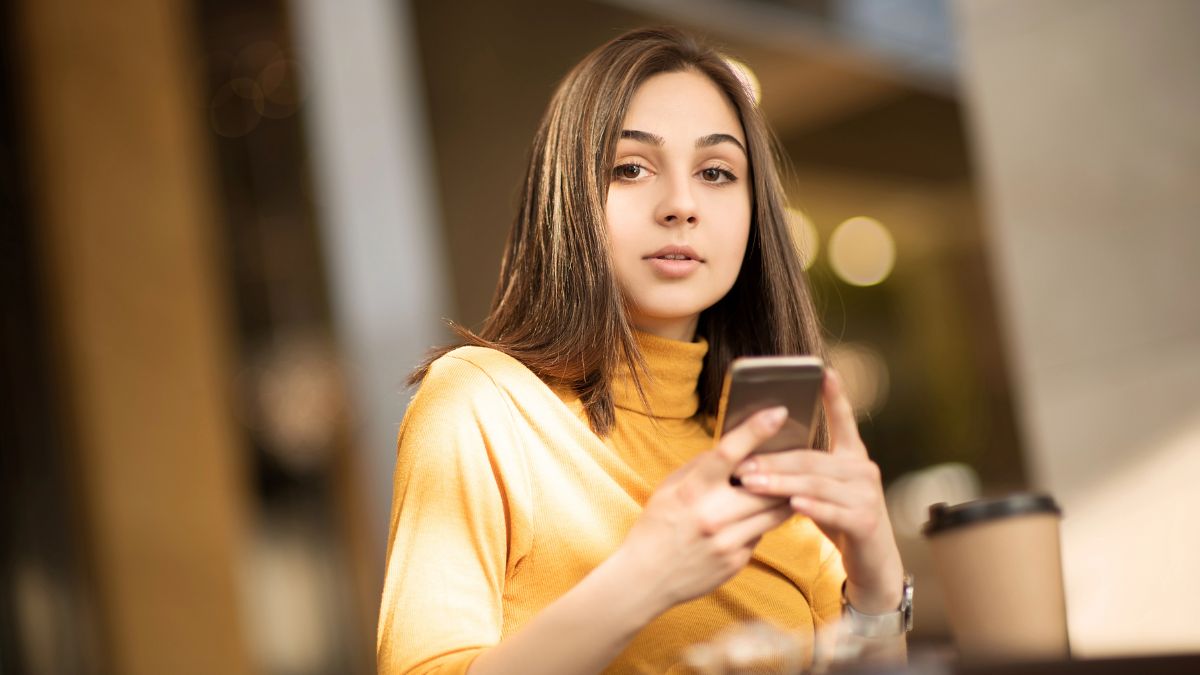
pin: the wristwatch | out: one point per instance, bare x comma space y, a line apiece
891, 624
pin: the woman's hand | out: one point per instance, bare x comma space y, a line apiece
697, 530
841, 490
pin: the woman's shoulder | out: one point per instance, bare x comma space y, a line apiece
471, 379
470, 372
493, 363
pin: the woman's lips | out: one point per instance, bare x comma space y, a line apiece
674, 262
669, 268
675, 251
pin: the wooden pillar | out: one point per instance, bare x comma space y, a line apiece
140, 324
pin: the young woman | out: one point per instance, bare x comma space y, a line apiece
560, 506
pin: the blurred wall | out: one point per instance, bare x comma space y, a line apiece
1085, 115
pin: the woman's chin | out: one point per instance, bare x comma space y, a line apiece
673, 318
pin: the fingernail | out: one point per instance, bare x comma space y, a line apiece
777, 415
749, 466
754, 480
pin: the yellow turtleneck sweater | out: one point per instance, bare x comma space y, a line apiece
504, 499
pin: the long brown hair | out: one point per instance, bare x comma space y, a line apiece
558, 308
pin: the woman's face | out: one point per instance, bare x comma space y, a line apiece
678, 206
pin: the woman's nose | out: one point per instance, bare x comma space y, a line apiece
677, 205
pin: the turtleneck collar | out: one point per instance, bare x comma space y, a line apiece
672, 371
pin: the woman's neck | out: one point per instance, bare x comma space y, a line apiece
681, 329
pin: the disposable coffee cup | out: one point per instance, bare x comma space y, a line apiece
999, 564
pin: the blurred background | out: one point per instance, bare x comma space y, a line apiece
230, 229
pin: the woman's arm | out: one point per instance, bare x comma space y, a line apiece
582, 631
881, 594
460, 520
842, 492
694, 534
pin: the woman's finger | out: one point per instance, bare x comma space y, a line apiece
843, 429
857, 523
828, 516
718, 465
725, 505
822, 488
747, 530
800, 461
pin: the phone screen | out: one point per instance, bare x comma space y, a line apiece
757, 383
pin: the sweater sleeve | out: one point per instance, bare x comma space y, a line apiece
457, 508
827, 586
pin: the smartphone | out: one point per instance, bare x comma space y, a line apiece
754, 383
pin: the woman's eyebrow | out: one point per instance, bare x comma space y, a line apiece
643, 137
714, 139
702, 142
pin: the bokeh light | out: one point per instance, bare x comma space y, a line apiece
804, 233
910, 496
295, 397
262, 83
282, 85
237, 107
865, 374
862, 251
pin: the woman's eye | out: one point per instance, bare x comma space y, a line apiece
628, 171
716, 175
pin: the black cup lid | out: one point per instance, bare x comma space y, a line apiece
944, 517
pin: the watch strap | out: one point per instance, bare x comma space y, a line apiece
891, 624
